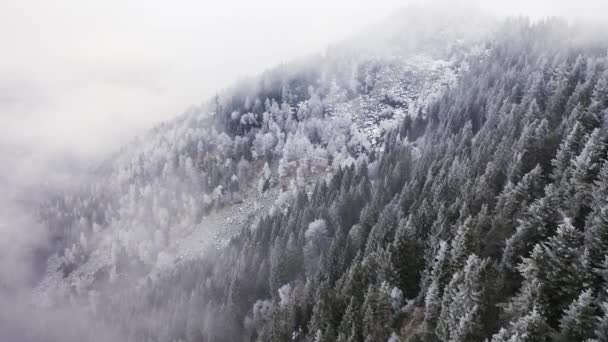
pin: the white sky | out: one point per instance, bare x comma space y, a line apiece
87, 75
69, 68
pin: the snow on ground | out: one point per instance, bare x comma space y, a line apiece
402, 86
214, 231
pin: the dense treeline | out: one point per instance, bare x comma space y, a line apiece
484, 218
460, 199
283, 130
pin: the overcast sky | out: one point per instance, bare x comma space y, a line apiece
69, 68
82, 75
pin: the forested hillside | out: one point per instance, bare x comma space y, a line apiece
454, 189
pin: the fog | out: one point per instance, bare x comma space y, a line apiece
84, 75
80, 78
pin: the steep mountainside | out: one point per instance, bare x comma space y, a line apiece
267, 137
448, 186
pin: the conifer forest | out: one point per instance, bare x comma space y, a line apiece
443, 178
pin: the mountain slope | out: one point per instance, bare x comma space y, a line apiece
304, 120
457, 195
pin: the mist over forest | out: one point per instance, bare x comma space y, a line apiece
418, 172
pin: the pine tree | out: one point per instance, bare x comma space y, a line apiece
567, 151
585, 169
354, 281
511, 203
465, 304
280, 324
561, 267
529, 328
449, 316
349, 329
599, 98
526, 299
538, 222
440, 265
465, 242
438, 278
377, 312
578, 320
567, 266
406, 255
322, 325
596, 227
601, 328
432, 310
383, 231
